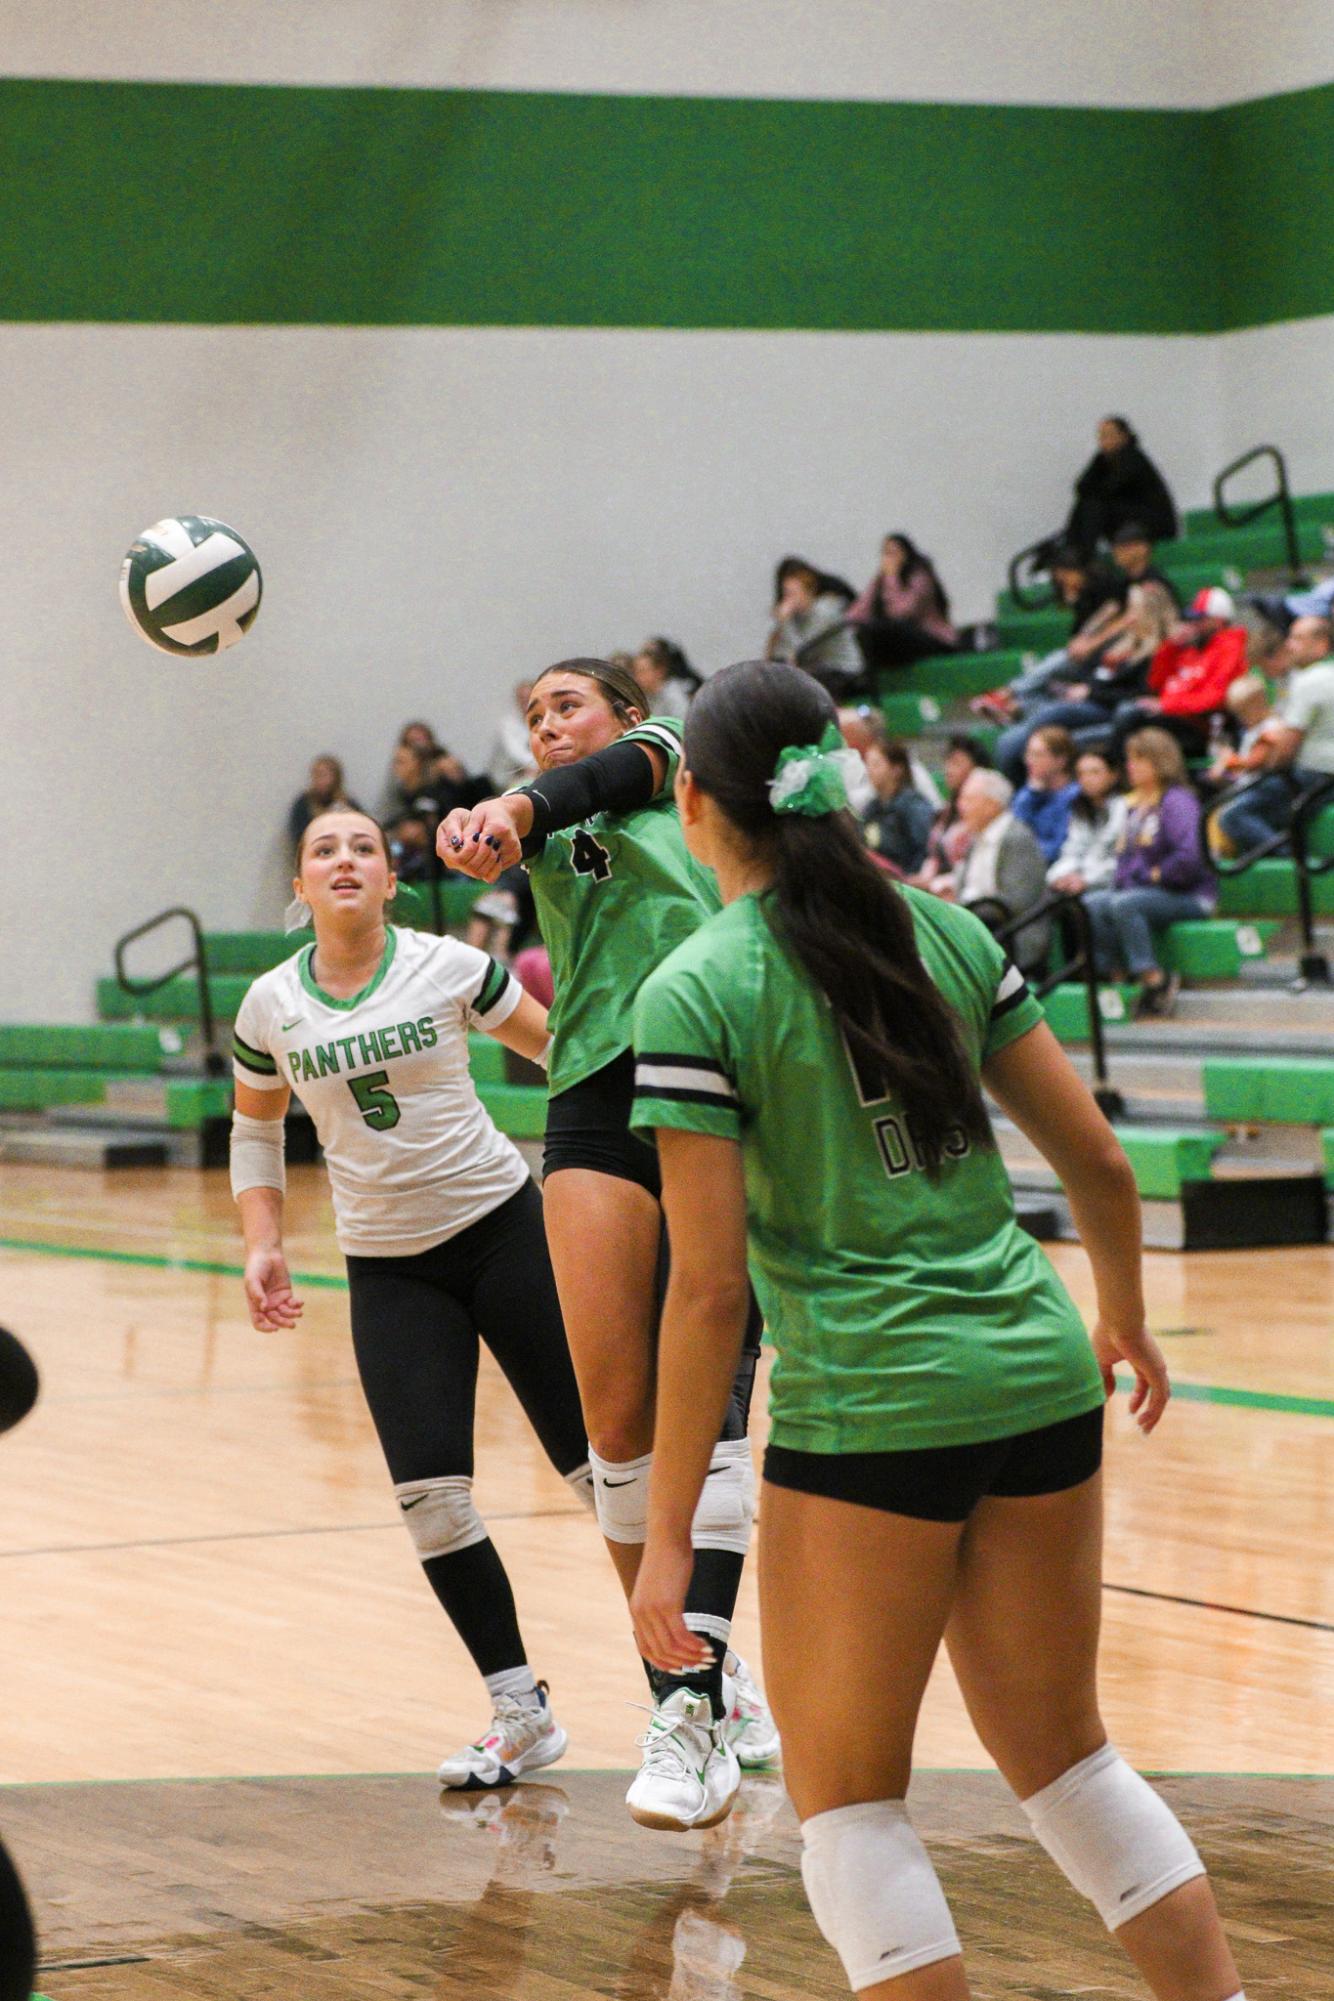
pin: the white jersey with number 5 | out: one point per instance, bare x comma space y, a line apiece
413, 1158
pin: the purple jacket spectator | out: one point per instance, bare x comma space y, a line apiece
1160, 847
1047, 812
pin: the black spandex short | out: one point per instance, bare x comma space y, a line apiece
944, 1483
589, 1126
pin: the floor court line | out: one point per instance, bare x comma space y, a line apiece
1183, 1391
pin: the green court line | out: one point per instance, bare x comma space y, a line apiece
152, 1261
1215, 1393
1246, 1399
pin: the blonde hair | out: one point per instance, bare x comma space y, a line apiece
1244, 690
1161, 750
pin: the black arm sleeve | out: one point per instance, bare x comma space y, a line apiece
614, 780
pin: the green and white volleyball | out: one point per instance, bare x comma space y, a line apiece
190, 585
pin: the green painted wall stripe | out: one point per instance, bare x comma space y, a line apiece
1276, 207
335, 1282
241, 204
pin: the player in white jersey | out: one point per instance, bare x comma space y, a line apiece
439, 1222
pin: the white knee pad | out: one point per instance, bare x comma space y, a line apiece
582, 1482
439, 1515
1120, 1844
727, 1501
874, 1893
620, 1496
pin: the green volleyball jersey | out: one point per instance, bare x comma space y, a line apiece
615, 894
904, 1312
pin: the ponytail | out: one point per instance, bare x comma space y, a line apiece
836, 912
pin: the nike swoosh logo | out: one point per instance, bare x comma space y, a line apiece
293, 1024
618, 1483
415, 1502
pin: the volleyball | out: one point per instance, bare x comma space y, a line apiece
190, 585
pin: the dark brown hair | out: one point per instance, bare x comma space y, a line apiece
839, 915
623, 691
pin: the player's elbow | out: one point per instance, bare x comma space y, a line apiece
710, 1295
1104, 1172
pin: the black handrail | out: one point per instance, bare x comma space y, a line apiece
197, 962
1082, 962
1313, 965
1280, 498
1019, 590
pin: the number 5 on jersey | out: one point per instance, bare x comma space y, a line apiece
375, 1101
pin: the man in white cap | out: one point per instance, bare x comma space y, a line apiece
1190, 675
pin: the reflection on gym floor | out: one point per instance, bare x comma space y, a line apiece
330, 1889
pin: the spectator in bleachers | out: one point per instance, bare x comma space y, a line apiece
1161, 876
1240, 752
1044, 803
949, 836
862, 727
1120, 483
1094, 593
1087, 707
810, 626
1002, 871
1280, 609
1299, 746
325, 789
903, 614
411, 792
511, 760
898, 820
1190, 674
411, 839
1097, 814
666, 676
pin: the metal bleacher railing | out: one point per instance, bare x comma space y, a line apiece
1281, 498
1294, 842
1080, 963
196, 962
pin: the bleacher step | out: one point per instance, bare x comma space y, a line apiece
42, 1142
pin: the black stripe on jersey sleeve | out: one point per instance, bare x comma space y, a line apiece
667, 1094
494, 984
680, 1062
1012, 1001
257, 1060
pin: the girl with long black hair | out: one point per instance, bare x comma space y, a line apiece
811, 1063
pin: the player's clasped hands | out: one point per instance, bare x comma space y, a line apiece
479, 840
1148, 1399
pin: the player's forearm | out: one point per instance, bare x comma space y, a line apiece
615, 780
699, 1347
1105, 1207
261, 1212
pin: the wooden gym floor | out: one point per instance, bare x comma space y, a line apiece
206, 1581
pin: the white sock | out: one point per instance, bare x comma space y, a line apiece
517, 1683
